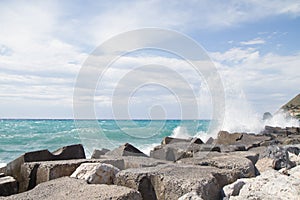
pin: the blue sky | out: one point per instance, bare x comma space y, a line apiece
43, 44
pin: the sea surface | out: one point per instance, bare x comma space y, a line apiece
18, 136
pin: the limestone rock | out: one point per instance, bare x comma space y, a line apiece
269, 185
190, 196
67, 188
96, 173
126, 150
264, 164
8, 186
98, 153
280, 157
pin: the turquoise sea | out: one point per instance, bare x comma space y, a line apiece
18, 136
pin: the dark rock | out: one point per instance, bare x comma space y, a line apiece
280, 157
98, 153
126, 150
170, 140
267, 116
67, 188
210, 141
2, 175
294, 150
8, 186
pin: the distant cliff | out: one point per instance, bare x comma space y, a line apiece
293, 107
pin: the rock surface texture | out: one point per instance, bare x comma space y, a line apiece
96, 173
67, 188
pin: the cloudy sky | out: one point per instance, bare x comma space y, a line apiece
43, 45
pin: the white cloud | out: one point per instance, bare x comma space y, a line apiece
253, 42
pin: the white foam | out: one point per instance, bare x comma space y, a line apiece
2, 165
180, 132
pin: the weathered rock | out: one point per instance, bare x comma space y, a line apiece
34, 173
170, 140
190, 196
269, 185
295, 172
65, 153
98, 153
246, 139
264, 164
96, 173
174, 181
232, 148
8, 186
210, 141
234, 188
176, 151
67, 188
294, 158
280, 157
242, 166
126, 150
2, 175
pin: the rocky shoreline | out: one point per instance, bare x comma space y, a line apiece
232, 166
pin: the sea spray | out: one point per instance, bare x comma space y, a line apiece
180, 132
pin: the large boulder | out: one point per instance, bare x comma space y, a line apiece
8, 186
177, 151
67, 188
246, 139
126, 150
34, 173
280, 157
96, 173
97, 153
169, 140
65, 153
172, 181
269, 185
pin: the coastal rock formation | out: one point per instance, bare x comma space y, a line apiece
172, 181
96, 173
126, 150
176, 151
246, 139
169, 140
65, 153
67, 188
8, 186
293, 107
34, 173
269, 185
98, 153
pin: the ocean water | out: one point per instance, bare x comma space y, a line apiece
19, 136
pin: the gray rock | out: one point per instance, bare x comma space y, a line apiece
67, 188
234, 188
8, 186
269, 185
190, 196
2, 175
96, 173
232, 148
177, 151
280, 157
172, 181
126, 150
170, 140
34, 173
65, 153
246, 139
98, 153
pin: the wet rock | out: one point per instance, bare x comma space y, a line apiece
8, 186
67, 188
98, 153
96, 173
65, 153
126, 150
